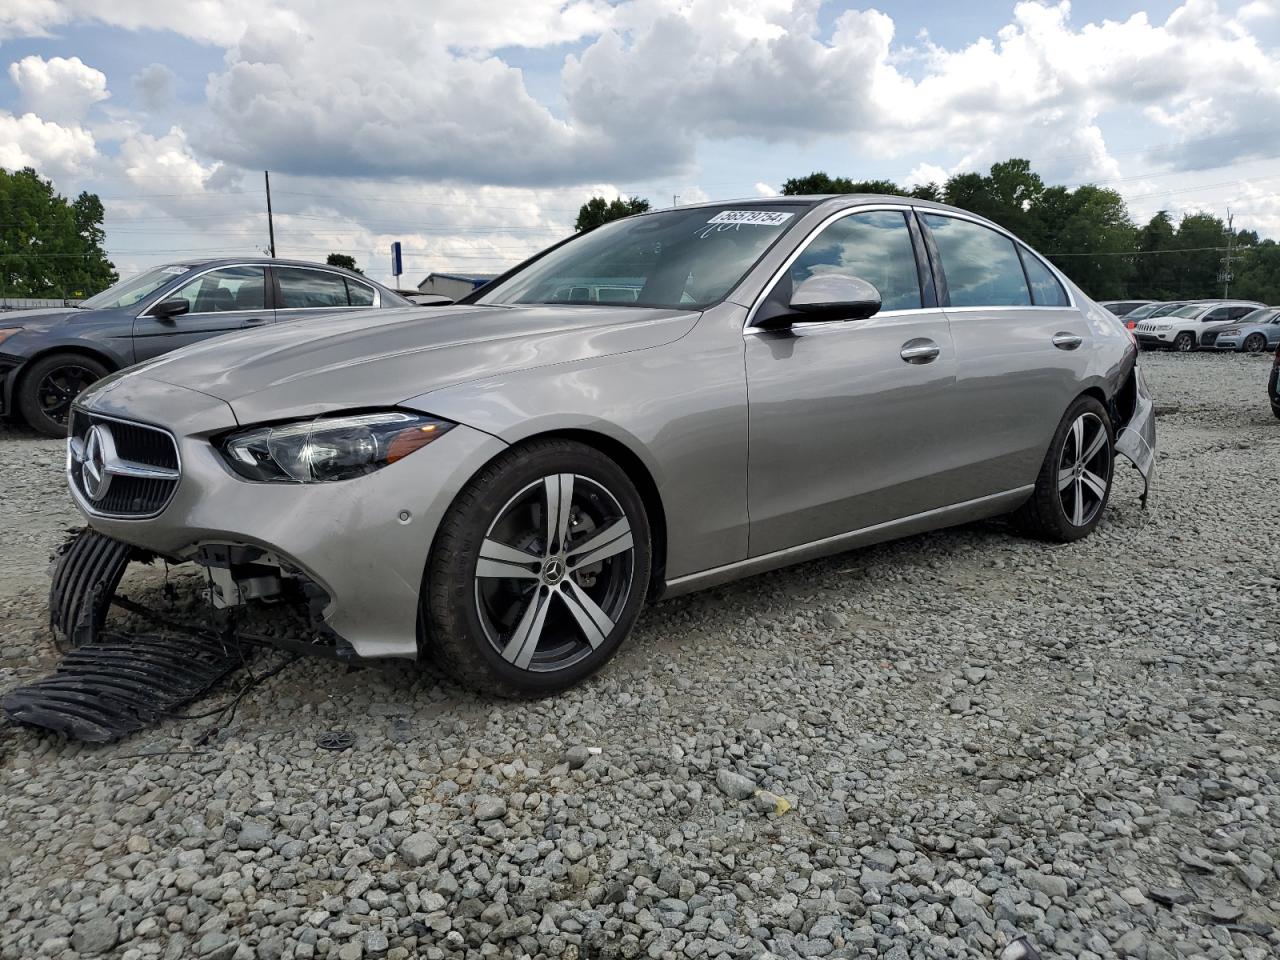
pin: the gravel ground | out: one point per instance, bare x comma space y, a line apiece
925, 749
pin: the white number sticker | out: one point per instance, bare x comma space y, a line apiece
755, 218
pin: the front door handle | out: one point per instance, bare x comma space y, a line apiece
920, 350
1067, 341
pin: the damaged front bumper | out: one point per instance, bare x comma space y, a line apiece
359, 546
1136, 440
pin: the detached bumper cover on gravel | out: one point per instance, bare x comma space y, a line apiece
116, 686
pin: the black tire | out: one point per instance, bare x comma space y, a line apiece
1255, 343
1045, 515
50, 384
459, 632
1275, 408
1184, 342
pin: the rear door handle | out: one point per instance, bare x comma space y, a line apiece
1067, 341
920, 350
254, 322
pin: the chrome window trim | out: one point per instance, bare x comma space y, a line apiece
84, 504
146, 312
377, 294
1066, 285
848, 324
840, 214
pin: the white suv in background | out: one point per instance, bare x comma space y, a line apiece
1181, 329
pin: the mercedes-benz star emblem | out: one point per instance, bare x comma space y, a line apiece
99, 451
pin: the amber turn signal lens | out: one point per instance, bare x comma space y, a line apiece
407, 441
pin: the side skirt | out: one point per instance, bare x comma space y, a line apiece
949, 516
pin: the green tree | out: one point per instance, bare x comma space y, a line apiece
344, 260
1154, 273
1257, 277
597, 211
1087, 233
50, 247
819, 183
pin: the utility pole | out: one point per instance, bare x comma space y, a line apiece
1226, 262
271, 226
675, 199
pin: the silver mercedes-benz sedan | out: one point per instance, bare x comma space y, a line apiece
663, 404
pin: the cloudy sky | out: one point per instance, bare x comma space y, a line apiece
471, 130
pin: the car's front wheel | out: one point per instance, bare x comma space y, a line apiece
1074, 482
1184, 342
50, 385
1255, 343
538, 571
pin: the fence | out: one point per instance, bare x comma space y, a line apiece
33, 303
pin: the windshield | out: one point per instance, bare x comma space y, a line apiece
678, 258
1165, 309
1261, 315
1142, 312
128, 292
1190, 310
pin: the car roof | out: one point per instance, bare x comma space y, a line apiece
274, 261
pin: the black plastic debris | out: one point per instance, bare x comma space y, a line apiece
115, 686
86, 571
336, 740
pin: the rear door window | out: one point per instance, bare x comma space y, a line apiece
982, 266
1046, 289
310, 289
358, 295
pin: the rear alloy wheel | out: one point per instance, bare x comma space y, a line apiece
1074, 482
1184, 342
49, 387
1255, 343
539, 570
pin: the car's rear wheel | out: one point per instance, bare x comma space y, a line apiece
1184, 342
1255, 343
1074, 482
539, 570
50, 385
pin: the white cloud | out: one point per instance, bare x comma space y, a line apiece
58, 89
1258, 10
54, 150
925, 173
765, 190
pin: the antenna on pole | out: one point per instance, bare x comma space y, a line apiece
675, 199
1226, 261
271, 226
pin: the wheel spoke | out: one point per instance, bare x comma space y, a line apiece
559, 491
1095, 483
608, 542
1095, 445
1077, 434
500, 560
1065, 477
592, 621
524, 641
1077, 509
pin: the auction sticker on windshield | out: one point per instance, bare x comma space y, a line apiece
756, 218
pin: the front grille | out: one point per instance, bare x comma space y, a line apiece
136, 445
1208, 339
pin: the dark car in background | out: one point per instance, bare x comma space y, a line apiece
1273, 385
47, 357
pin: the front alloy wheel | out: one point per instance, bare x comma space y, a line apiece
1184, 342
1255, 343
539, 570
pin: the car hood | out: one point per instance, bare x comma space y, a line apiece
374, 358
43, 319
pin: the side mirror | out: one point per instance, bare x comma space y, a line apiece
168, 309
827, 296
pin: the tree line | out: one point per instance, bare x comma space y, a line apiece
1086, 231
50, 247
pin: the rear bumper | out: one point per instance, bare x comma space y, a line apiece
1137, 438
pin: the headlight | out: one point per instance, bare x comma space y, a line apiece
1228, 333
1162, 326
330, 448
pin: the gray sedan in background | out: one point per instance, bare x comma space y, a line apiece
1255, 332
499, 485
47, 357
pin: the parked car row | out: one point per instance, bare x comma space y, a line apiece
1241, 325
